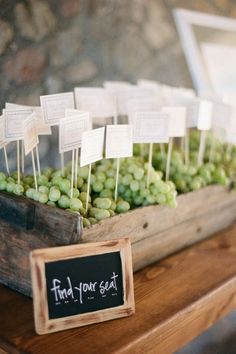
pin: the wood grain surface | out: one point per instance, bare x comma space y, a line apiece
176, 299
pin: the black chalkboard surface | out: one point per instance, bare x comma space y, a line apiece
81, 284
84, 284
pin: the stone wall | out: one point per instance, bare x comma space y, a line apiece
52, 46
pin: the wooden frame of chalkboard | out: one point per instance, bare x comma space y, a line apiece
81, 284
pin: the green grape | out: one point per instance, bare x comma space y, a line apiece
134, 186
10, 179
172, 203
161, 198
2, 176
57, 173
83, 172
121, 188
47, 172
10, 187
64, 202
112, 213
92, 220
101, 214
64, 186
75, 204
92, 179
106, 193
138, 173
36, 196
93, 211
102, 203
56, 181
150, 199
127, 179
97, 187
83, 197
144, 192
80, 182
113, 206
86, 222
30, 193
84, 187
138, 200
110, 173
52, 204
75, 193
110, 183
122, 206
18, 189
43, 198
3, 185
100, 176
54, 194
42, 180
43, 189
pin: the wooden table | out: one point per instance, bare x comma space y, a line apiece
176, 299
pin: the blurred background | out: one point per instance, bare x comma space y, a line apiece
52, 46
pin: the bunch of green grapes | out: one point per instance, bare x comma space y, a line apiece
54, 189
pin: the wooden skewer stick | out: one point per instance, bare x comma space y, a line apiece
169, 153
34, 170
6, 160
149, 163
117, 178
88, 187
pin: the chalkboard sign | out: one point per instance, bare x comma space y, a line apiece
81, 284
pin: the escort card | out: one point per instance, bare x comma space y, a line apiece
42, 128
92, 146
177, 121
141, 105
205, 115
70, 131
2, 142
124, 94
54, 106
119, 141
30, 133
13, 123
99, 102
151, 127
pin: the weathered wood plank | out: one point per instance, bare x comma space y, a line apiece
176, 299
182, 235
50, 227
145, 222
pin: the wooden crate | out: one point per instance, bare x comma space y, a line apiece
155, 231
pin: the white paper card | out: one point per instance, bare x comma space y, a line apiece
30, 133
151, 127
71, 130
54, 106
13, 123
119, 141
124, 94
92, 146
177, 121
2, 142
141, 105
42, 128
99, 102
205, 115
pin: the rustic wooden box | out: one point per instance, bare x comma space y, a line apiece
155, 231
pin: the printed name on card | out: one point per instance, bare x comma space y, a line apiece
42, 128
151, 127
119, 141
99, 102
54, 106
70, 131
177, 121
205, 115
30, 133
13, 123
92, 146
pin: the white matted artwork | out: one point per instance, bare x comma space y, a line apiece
209, 44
